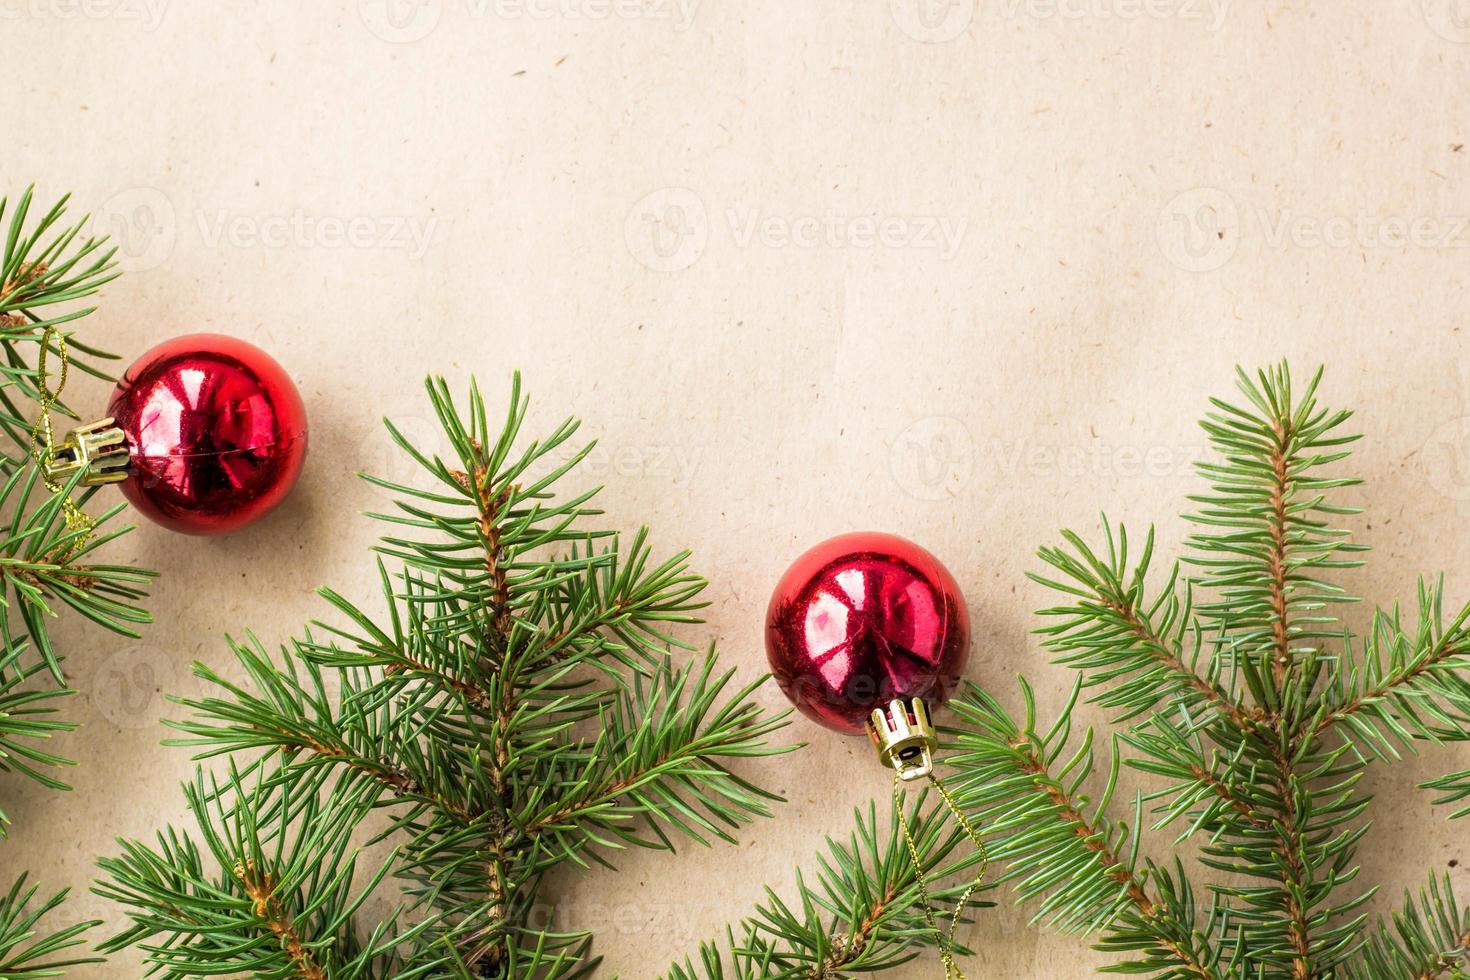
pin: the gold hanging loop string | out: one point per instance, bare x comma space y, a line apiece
906, 740
43, 440
946, 937
42, 431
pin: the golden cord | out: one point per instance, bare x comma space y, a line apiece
946, 939
43, 439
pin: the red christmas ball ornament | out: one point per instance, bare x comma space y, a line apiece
864, 632
868, 631
215, 433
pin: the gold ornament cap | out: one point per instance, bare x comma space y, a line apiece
98, 450
904, 737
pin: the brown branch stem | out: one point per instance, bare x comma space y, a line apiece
1225, 793
1096, 842
399, 780
1143, 631
1282, 664
852, 946
260, 889
1446, 648
463, 688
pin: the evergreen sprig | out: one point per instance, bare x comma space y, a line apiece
1251, 708
522, 704
271, 890
1427, 939
863, 913
47, 265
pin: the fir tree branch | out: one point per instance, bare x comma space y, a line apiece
44, 263
1282, 663
1269, 538
260, 888
28, 713
294, 718
1429, 940
1113, 631
657, 756
1265, 561
284, 900
1408, 686
1062, 849
862, 915
1452, 787
1211, 791
518, 708
47, 563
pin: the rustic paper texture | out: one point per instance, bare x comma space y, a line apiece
965, 270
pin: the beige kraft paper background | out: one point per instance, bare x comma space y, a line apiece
965, 270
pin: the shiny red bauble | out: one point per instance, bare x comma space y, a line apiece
216, 433
860, 620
